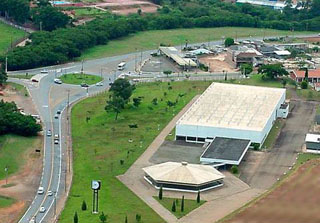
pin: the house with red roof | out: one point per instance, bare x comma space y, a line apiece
299, 75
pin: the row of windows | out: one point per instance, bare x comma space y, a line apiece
191, 138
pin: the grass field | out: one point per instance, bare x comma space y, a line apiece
19, 88
189, 205
152, 39
6, 201
80, 78
273, 134
12, 151
8, 33
100, 144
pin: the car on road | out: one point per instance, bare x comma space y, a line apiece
99, 84
44, 71
33, 220
111, 83
84, 85
42, 209
50, 193
59, 112
40, 190
57, 81
56, 116
56, 141
49, 133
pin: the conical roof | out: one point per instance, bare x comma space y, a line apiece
183, 173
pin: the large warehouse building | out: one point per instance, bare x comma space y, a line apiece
232, 111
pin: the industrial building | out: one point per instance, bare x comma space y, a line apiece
232, 111
183, 176
173, 54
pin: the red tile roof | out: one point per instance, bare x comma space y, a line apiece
311, 73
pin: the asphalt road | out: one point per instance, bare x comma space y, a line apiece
54, 163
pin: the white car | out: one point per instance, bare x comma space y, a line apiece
40, 190
56, 141
44, 71
50, 193
42, 209
49, 133
32, 220
99, 84
57, 81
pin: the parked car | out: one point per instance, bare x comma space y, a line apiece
40, 190
99, 84
57, 81
84, 85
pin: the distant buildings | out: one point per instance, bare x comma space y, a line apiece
299, 75
274, 4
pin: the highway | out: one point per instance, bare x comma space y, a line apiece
48, 98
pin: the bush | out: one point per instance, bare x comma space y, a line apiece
173, 208
304, 85
234, 169
84, 206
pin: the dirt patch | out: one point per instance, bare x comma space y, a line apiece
126, 7
217, 63
295, 201
312, 39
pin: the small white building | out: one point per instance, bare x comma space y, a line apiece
313, 143
232, 111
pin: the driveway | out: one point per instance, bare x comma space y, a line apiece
274, 163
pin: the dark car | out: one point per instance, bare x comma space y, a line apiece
84, 85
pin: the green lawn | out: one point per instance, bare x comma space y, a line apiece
80, 78
12, 152
256, 80
304, 157
8, 33
273, 134
309, 94
152, 39
6, 201
189, 205
100, 144
19, 88
23, 76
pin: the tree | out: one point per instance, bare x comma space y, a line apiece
306, 75
182, 204
284, 82
272, 70
139, 11
155, 101
167, 72
75, 218
3, 75
234, 169
228, 42
50, 18
136, 102
173, 208
84, 206
126, 219
138, 217
115, 104
160, 193
198, 197
246, 68
304, 84
122, 88
103, 217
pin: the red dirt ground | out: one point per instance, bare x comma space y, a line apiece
295, 201
312, 39
26, 181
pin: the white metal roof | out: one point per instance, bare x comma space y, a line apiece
313, 138
282, 52
233, 106
183, 173
174, 54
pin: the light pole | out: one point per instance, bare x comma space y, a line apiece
6, 170
82, 67
6, 65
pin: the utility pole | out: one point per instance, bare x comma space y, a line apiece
68, 129
82, 67
135, 61
101, 72
40, 25
140, 59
